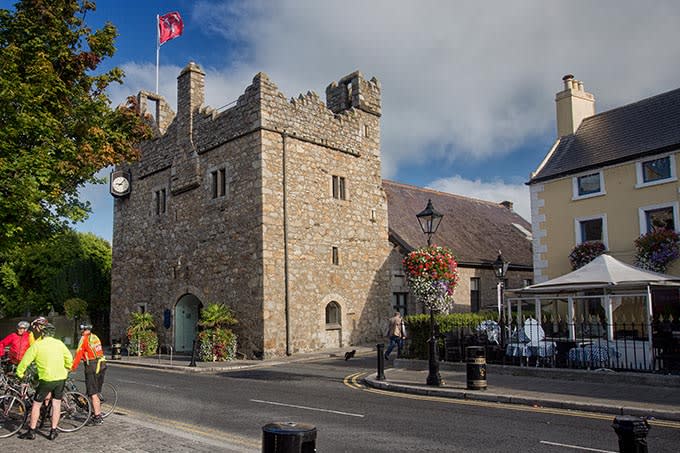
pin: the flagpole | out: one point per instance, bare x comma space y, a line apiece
158, 48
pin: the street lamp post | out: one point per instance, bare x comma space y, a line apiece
429, 220
500, 269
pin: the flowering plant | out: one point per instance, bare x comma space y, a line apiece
432, 275
656, 249
585, 252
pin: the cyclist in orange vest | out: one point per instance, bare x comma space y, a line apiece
90, 350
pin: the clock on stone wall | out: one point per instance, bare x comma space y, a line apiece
119, 184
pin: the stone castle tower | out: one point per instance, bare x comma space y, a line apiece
273, 207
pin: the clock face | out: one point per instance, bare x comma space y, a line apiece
120, 185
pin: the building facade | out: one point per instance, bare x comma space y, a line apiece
277, 208
609, 177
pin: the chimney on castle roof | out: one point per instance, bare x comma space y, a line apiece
507, 204
573, 104
190, 92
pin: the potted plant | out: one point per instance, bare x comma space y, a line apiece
142, 338
218, 342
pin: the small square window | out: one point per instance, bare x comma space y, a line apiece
660, 218
591, 230
654, 170
589, 184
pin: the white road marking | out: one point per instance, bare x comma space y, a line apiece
576, 447
308, 408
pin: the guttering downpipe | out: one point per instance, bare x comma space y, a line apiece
284, 135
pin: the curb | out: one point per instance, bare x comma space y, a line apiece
483, 395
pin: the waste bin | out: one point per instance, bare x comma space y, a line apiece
116, 350
632, 432
476, 367
288, 437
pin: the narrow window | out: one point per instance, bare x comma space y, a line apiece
366, 130
339, 187
160, 201
222, 179
342, 188
335, 257
214, 183
399, 303
474, 294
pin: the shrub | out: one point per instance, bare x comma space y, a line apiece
418, 328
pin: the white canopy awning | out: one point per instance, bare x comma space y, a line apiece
604, 272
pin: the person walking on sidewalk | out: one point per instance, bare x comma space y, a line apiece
53, 360
18, 343
90, 350
396, 332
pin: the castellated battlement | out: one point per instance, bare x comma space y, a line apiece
348, 121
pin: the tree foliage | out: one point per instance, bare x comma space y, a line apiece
43, 275
57, 126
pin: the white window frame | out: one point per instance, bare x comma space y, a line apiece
642, 215
640, 177
574, 186
577, 228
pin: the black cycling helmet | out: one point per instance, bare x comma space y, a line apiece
48, 330
85, 326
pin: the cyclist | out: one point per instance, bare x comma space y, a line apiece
53, 360
90, 350
18, 343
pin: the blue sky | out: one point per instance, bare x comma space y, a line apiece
468, 87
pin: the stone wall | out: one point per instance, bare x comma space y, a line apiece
265, 247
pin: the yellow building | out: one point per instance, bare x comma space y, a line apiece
609, 176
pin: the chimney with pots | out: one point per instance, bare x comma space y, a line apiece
574, 104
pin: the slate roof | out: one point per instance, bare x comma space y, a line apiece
646, 127
473, 229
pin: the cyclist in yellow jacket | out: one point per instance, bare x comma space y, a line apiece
53, 361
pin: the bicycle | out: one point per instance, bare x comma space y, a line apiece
108, 397
16, 405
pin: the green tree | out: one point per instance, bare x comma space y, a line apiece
58, 127
43, 275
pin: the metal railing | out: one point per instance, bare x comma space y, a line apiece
585, 344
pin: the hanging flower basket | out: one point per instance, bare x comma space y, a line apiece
657, 249
432, 275
585, 252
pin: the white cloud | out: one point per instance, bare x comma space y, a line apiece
496, 191
474, 79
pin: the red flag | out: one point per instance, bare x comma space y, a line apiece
170, 26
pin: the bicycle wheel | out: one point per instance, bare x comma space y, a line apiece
108, 398
75, 412
13, 415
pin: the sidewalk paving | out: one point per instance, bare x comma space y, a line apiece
638, 394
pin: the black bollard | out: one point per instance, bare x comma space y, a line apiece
288, 437
381, 362
632, 432
193, 354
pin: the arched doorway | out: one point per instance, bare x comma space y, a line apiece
186, 319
